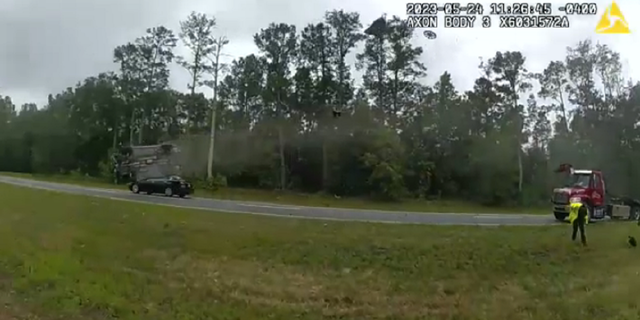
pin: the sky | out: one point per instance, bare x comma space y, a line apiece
47, 46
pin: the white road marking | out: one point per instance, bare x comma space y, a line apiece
265, 206
503, 214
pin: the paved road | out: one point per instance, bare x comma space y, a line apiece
261, 208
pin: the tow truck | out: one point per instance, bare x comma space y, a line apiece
589, 188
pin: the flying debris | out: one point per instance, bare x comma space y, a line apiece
632, 242
429, 34
378, 26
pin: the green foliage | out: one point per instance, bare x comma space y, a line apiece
106, 171
77, 174
397, 137
384, 161
385, 179
213, 184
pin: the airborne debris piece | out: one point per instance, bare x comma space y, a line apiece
632, 242
137, 162
378, 27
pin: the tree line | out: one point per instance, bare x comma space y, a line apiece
271, 122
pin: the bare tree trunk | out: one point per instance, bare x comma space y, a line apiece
115, 137
326, 131
113, 152
132, 126
380, 73
212, 136
564, 112
283, 173
520, 169
141, 128
519, 139
192, 102
325, 165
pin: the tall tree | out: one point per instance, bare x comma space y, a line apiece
374, 62
346, 35
130, 80
405, 68
196, 34
156, 50
217, 68
316, 50
241, 90
278, 43
7, 112
512, 78
553, 83
609, 69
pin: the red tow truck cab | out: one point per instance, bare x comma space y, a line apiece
589, 187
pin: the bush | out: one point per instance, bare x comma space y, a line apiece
216, 182
76, 174
106, 171
386, 181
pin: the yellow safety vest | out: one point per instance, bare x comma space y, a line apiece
573, 213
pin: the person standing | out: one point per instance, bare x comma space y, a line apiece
579, 218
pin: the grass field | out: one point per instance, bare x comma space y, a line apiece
75, 257
313, 200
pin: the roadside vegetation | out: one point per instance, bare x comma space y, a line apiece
75, 257
295, 115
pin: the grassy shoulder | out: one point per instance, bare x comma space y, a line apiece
305, 199
75, 257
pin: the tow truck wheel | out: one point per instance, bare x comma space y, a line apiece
590, 212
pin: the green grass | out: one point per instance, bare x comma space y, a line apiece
312, 200
75, 257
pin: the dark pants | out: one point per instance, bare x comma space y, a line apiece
578, 224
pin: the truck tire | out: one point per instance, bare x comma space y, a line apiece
560, 216
590, 212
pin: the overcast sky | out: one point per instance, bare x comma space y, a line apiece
47, 45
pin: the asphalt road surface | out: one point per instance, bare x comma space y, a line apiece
261, 208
